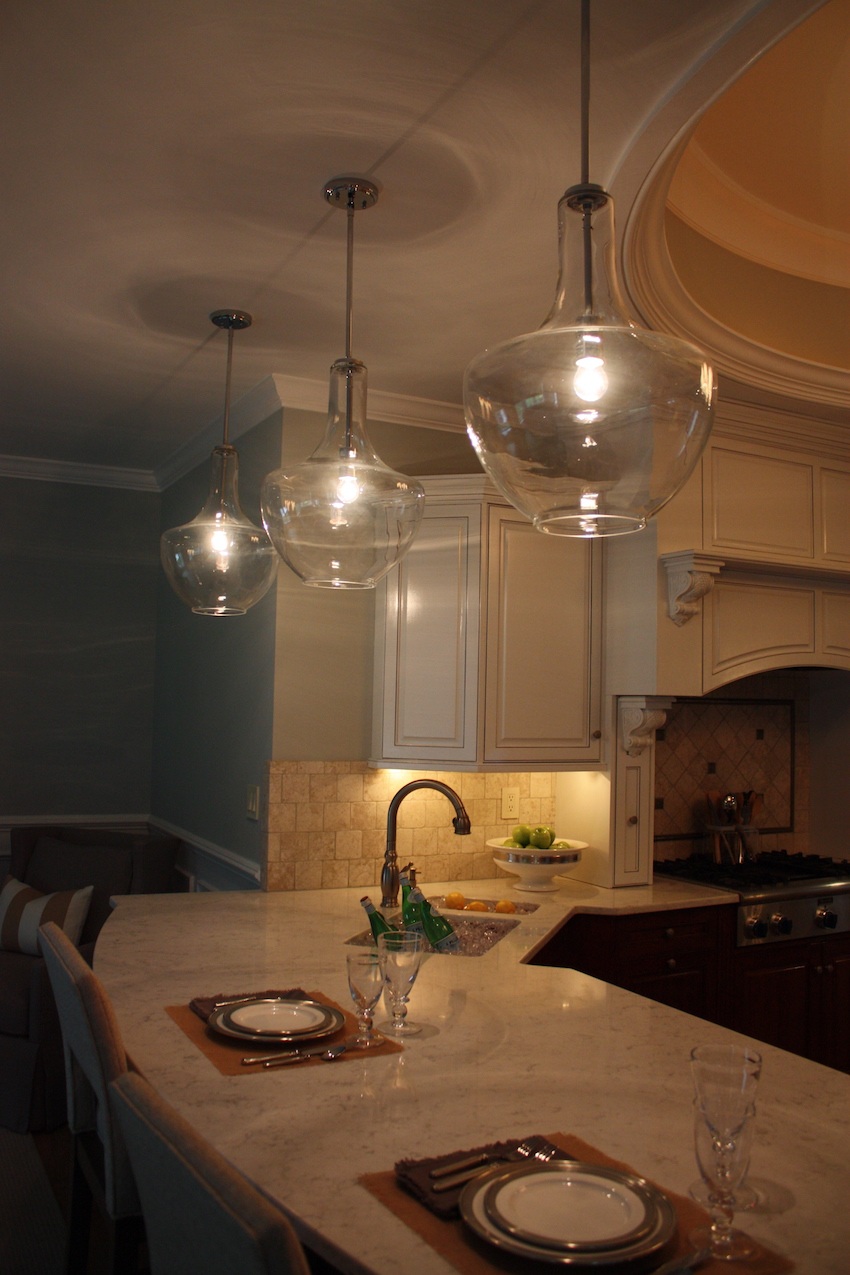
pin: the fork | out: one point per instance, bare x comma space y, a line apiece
538, 1148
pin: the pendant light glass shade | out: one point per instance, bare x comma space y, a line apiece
220, 563
590, 424
342, 518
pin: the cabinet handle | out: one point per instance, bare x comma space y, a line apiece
632, 820
669, 933
830, 969
818, 969
596, 734
671, 964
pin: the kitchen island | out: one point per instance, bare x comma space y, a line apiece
508, 1049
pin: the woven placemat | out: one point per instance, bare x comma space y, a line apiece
226, 1054
463, 1250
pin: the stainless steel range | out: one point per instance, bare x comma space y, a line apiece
782, 896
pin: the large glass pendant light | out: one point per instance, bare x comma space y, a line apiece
220, 563
342, 518
590, 424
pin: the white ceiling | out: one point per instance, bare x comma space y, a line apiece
167, 158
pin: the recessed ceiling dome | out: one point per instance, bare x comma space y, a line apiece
756, 221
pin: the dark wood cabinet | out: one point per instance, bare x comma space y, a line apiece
794, 995
671, 957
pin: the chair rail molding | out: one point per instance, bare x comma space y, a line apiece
640, 717
690, 576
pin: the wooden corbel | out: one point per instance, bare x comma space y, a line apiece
640, 717
690, 576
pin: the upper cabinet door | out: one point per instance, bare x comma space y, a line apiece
543, 644
488, 644
427, 631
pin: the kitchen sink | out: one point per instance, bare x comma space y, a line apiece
478, 932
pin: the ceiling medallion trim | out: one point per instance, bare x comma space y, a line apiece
663, 302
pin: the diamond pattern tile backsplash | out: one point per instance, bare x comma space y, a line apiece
750, 736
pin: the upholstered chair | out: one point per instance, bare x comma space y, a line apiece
202, 1217
94, 1057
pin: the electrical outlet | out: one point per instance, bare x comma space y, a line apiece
252, 806
510, 803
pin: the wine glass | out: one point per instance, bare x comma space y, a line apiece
400, 954
725, 1081
365, 982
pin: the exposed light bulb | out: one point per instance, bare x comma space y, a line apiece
347, 488
591, 380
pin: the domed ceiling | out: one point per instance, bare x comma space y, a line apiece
757, 219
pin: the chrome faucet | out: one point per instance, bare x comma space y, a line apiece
389, 872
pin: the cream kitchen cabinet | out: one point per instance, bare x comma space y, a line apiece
762, 504
488, 641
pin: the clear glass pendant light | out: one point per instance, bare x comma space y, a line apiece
590, 424
342, 519
220, 563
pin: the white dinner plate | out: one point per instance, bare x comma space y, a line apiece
570, 1206
587, 1246
277, 1018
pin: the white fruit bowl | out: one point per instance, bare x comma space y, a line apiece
537, 869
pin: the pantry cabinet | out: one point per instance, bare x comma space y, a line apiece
488, 641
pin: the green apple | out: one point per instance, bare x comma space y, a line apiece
521, 834
542, 837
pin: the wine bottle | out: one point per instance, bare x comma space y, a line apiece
439, 932
378, 923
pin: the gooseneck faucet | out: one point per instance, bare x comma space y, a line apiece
389, 872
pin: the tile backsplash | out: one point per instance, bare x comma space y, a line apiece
754, 735
326, 823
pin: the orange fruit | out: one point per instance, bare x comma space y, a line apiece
505, 905
476, 906
455, 900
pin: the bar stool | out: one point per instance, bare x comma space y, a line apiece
94, 1056
202, 1216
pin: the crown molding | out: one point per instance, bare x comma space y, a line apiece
274, 393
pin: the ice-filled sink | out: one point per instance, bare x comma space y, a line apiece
478, 931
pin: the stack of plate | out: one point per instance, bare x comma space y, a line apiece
567, 1213
278, 1019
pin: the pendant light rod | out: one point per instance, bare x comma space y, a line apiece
353, 194
232, 321
585, 92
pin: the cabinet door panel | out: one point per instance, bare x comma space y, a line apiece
430, 662
761, 505
542, 696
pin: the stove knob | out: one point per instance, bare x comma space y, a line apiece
781, 924
826, 919
756, 928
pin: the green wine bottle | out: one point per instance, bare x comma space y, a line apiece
378, 923
439, 932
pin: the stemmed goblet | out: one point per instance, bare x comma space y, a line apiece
365, 982
725, 1081
400, 954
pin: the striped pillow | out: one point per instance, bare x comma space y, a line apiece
23, 910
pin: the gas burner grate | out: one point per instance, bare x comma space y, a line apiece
771, 868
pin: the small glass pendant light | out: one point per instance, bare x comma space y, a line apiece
591, 424
342, 518
220, 563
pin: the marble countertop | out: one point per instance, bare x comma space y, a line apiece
508, 1049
